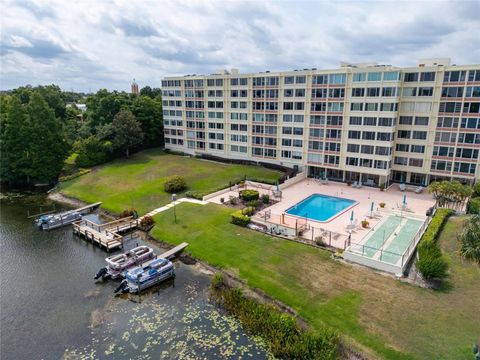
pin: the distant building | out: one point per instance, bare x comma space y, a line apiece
374, 123
134, 88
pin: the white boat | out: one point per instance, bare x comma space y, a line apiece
49, 222
139, 278
117, 264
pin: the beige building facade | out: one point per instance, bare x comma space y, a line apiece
361, 122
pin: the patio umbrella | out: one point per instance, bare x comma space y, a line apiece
371, 210
351, 217
404, 199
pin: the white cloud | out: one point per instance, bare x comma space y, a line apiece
87, 45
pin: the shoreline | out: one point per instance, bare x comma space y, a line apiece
346, 350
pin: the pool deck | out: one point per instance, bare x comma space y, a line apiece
417, 205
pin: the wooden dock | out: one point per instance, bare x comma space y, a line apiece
106, 235
168, 254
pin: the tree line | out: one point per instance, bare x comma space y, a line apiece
40, 127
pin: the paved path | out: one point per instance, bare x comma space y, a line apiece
168, 206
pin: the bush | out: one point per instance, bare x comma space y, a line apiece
239, 218
175, 184
265, 198
253, 203
80, 172
431, 262
382, 205
365, 223
127, 212
217, 281
233, 200
470, 239
474, 206
320, 241
195, 195
476, 190
147, 221
280, 331
248, 211
249, 195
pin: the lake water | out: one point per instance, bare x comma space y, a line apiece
51, 308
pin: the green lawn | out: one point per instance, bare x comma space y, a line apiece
383, 317
138, 182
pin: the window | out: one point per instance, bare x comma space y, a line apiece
427, 76
319, 93
351, 161
467, 153
454, 76
391, 76
371, 107
234, 82
368, 135
418, 149
354, 134
425, 91
450, 107
355, 120
370, 121
374, 76
319, 79
441, 165
353, 148
388, 107
421, 120
409, 91
318, 106
298, 118
356, 106
415, 162
335, 106
314, 158
367, 149
410, 77
389, 91
400, 160
336, 93
385, 121
474, 75
317, 120
452, 92
300, 92
358, 92
423, 107
381, 164
382, 136
402, 147
443, 151
473, 91
467, 168
358, 77
383, 150
447, 122
300, 79
403, 134
299, 105
471, 107
288, 92
336, 78
469, 123
373, 92
289, 80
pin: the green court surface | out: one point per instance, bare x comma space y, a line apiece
381, 234
400, 243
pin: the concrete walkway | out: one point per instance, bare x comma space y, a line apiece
168, 206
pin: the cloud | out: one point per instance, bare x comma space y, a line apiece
96, 44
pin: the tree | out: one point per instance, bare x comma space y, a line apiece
149, 113
127, 132
470, 239
151, 93
92, 151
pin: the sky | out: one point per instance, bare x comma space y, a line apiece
88, 45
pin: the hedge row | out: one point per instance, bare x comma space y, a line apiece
432, 264
474, 206
80, 172
249, 195
280, 331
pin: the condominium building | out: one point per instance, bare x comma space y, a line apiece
368, 122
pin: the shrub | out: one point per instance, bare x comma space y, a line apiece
249, 195
431, 262
253, 203
476, 190
217, 281
382, 205
239, 218
474, 206
265, 198
248, 211
127, 212
147, 221
80, 172
195, 195
280, 331
365, 223
175, 184
233, 200
319, 240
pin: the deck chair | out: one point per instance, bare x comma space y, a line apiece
419, 190
355, 184
402, 187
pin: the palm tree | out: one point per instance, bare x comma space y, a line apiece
470, 239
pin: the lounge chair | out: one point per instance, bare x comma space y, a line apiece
355, 184
402, 187
324, 181
419, 189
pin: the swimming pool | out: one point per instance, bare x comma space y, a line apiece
320, 207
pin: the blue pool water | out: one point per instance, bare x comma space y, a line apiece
320, 207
